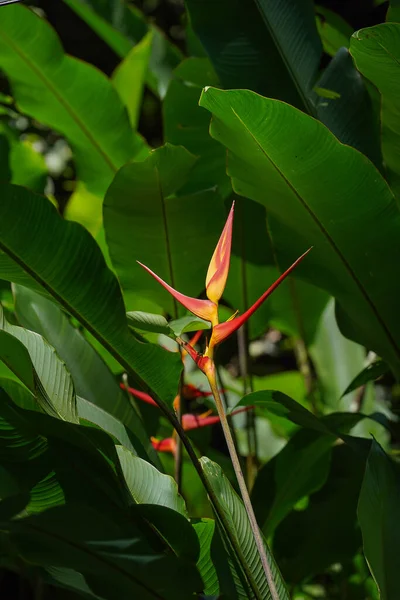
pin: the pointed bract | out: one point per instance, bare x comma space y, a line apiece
223, 330
205, 309
139, 394
166, 445
219, 265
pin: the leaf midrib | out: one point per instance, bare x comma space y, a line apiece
327, 236
60, 99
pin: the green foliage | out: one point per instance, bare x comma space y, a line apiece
131, 146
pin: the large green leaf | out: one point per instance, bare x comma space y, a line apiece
68, 264
121, 25
114, 559
70, 96
233, 509
147, 485
174, 236
49, 379
92, 378
322, 193
376, 51
273, 49
378, 514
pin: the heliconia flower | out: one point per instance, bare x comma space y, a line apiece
218, 269
221, 331
215, 280
215, 283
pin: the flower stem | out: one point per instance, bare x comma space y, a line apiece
212, 380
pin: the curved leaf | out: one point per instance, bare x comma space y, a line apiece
49, 379
92, 378
347, 199
378, 514
69, 265
60, 91
350, 114
268, 47
204, 529
376, 52
233, 508
115, 559
122, 28
147, 485
186, 124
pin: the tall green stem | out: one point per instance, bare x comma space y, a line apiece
212, 380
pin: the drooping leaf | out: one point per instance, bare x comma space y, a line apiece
68, 264
235, 513
274, 167
378, 509
129, 77
372, 372
140, 206
334, 31
147, 485
273, 49
204, 529
93, 380
349, 111
376, 51
59, 91
48, 378
125, 26
186, 124
114, 559
337, 361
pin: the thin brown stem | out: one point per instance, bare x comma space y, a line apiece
178, 451
212, 380
243, 351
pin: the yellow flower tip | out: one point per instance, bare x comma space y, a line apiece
219, 265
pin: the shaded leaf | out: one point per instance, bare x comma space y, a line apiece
48, 378
370, 373
204, 529
92, 378
147, 485
378, 510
